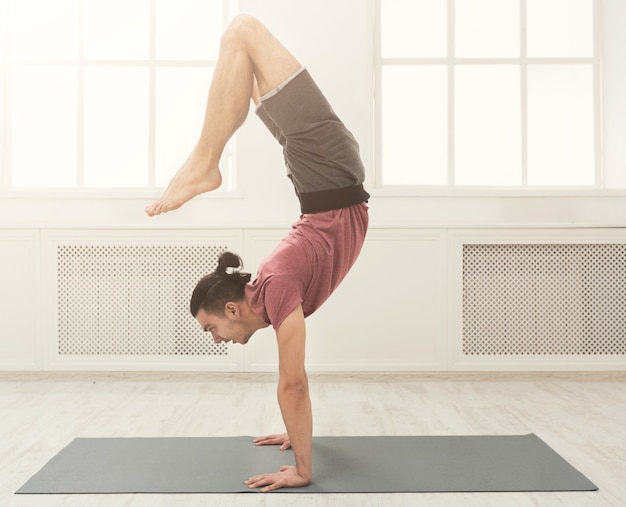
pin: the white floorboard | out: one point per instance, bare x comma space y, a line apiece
581, 416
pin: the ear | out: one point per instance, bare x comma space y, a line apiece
231, 310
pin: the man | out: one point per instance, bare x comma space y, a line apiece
323, 162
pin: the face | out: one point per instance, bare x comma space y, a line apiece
228, 328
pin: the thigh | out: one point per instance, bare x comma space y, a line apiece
273, 63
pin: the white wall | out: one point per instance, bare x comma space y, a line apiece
334, 40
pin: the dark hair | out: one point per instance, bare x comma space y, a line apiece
225, 284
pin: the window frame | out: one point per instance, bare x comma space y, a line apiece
451, 61
152, 63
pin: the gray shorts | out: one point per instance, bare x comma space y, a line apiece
321, 154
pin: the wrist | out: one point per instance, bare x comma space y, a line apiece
304, 473
305, 477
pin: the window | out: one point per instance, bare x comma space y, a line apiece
104, 94
496, 93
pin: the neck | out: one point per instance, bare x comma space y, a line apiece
252, 320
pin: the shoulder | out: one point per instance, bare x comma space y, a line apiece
275, 297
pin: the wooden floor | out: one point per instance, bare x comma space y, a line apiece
581, 416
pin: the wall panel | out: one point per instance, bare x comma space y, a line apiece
416, 300
20, 300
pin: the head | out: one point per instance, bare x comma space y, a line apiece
218, 301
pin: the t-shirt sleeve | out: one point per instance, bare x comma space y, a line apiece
282, 294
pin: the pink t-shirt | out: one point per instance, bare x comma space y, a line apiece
308, 265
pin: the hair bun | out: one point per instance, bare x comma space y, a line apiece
228, 260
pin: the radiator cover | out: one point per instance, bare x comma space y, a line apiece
131, 300
544, 299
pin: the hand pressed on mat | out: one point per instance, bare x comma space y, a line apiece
280, 479
286, 477
282, 440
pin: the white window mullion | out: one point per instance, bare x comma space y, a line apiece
80, 142
451, 91
230, 151
378, 106
597, 94
524, 93
4, 94
152, 98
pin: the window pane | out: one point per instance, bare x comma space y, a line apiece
413, 28
487, 28
43, 127
560, 125
188, 29
414, 125
44, 29
116, 127
117, 29
181, 96
487, 125
560, 28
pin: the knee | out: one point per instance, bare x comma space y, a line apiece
241, 31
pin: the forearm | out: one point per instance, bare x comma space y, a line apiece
295, 406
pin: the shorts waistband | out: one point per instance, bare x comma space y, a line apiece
336, 198
273, 92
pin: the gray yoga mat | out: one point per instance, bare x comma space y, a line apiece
341, 465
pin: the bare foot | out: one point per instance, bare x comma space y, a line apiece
191, 180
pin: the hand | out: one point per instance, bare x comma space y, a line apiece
282, 440
286, 477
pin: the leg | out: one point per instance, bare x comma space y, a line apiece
251, 62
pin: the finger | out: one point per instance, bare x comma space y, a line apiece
266, 441
272, 487
264, 438
271, 440
256, 482
251, 480
260, 480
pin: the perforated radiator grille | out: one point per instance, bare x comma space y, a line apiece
131, 300
562, 299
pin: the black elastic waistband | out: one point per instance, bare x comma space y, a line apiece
336, 198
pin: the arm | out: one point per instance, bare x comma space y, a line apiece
293, 390
295, 405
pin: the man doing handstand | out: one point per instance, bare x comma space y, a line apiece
323, 163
